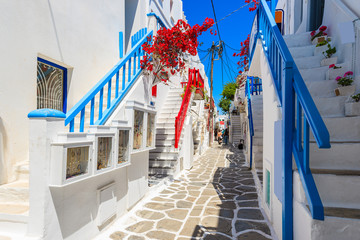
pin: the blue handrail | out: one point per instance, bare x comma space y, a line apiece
291, 91
131, 69
248, 94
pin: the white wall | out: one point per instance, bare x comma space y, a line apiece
82, 34
271, 113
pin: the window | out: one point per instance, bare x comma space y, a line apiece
77, 161
267, 187
150, 130
104, 149
138, 129
51, 85
123, 155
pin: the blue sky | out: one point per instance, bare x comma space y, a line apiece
233, 30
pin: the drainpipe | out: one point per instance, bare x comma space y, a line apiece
355, 46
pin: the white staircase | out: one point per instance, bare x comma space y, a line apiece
236, 129
257, 115
164, 159
337, 170
14, 202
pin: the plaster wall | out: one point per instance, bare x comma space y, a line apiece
271, 114
82, 35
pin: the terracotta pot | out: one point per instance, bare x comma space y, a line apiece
328, 61
352, 109
345, 91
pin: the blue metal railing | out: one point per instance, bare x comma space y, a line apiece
129, 67
298, 111
138, 36
248, 94
255, 85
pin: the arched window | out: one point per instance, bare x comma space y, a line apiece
51, 85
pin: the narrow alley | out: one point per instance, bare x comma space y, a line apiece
216, 199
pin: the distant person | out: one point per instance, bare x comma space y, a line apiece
226, 136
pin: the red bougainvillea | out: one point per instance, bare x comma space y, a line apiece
253, 4
166, 52
243, 62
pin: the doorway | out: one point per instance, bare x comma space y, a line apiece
316, 14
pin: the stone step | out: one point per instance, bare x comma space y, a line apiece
343, 129
163, 155
308, 62
15, 193
162, 163
337, 188
339, 223
324, 88
331, 106
314, 74
339, 156
302, 51
161, 171
297, 40
22, 171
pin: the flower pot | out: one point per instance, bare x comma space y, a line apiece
328, 61
332, 73
319, 40
352, 109
319, 50
199, 94
345, 91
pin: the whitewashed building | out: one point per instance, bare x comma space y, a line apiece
310, 136
77, 116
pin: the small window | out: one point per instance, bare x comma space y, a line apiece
104, 149
267, 187
51, 85
150, 130
77, 161
138, 129
123, 155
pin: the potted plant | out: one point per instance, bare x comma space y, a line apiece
345, 89
321, 47
352, 108
329, 60
335, 71
319, 36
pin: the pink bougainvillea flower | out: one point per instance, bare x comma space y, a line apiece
338, 78
332, 65
322, 28
312, 33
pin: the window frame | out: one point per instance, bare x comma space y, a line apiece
65, 74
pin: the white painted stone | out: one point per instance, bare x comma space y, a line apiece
332, 73
352, 109
328, 61
345, 91
318, 51
319, 39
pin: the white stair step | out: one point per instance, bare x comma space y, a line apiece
343, 129
331, 106
336, 188
165, 155
339, 156
324, 88
308, 62
297, 40
15, 192
162, 163
314, 74
302, 51
339, 223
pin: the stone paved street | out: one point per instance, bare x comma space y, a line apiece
216, 199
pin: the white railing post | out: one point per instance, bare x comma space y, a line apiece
44, 125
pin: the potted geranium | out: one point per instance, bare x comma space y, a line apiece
346, 88
319, 36
352, 108
335, 71
321, 47
329, 60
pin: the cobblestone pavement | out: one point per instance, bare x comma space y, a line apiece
216, 199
